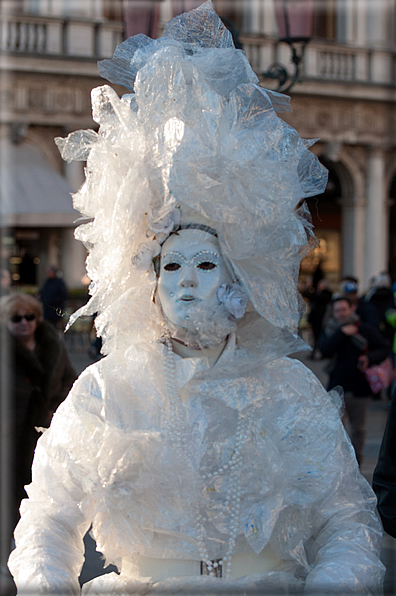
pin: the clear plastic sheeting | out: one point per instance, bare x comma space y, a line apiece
266, 471
198, 133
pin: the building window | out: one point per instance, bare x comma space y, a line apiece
324, 19
112, 10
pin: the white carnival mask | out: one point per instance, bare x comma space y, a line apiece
192, 272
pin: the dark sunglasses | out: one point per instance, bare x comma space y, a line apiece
18, 318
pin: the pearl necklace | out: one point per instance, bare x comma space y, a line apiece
179, 437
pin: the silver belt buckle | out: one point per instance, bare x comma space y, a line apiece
215, 568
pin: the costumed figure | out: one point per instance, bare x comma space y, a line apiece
205, 459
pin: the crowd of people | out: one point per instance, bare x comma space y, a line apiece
352, 332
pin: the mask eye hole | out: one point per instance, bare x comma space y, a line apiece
207, 266
172, 267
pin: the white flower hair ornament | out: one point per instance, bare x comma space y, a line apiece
144, 258
162, 225
233, 298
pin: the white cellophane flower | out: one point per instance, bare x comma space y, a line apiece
147, 251
233, 298
162, 224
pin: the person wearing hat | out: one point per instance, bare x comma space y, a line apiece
349, 287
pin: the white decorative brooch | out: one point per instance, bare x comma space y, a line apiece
159, 229
233, 298
147, 251
162, 225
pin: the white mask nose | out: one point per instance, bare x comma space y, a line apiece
188, 283
189, 279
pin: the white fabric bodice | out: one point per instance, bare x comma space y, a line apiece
149, 496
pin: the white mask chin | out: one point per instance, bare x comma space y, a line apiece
192, 271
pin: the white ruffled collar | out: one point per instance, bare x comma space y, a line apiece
186, 368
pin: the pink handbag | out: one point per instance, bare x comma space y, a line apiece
380, 376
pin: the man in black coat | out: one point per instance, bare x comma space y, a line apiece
384, 479
53, 296
353, 346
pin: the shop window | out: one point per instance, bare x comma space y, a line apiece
23, 260
326, 216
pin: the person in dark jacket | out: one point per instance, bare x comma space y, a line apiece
367, 313
319, 304
53, 296
384, 478
380, 296
353, 346
37, 378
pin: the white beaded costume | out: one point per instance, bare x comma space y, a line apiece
174, 460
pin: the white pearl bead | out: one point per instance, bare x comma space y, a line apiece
179, 435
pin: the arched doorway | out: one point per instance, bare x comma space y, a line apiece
326, 216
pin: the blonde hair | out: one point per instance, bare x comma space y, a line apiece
10, 304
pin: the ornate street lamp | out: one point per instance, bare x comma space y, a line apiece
294, 18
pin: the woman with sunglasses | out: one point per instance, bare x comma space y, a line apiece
40, 377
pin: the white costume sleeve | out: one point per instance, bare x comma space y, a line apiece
347, 531
347, 547
328, 522
49, 550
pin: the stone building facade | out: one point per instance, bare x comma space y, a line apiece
49, 52
346, 98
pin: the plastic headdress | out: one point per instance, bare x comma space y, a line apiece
197, 133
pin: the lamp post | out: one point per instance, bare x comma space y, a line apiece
294, 18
